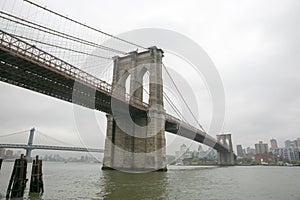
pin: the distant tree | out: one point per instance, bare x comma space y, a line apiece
195, 161
255, 162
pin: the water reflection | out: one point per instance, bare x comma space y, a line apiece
122, 185
35, 196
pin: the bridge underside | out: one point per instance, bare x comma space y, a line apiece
180, 129
27, 74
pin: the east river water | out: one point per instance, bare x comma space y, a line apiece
86, 181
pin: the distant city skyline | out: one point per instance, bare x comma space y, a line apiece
271, 154
273, 143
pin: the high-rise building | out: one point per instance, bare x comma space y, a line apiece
273, 144
261, 148
183, 148
292, 144
288, 143
239, 150
250, 151
184, 152
297, 142
9, 153
200, 149
291, 151
2, 152
287, 153
244, 152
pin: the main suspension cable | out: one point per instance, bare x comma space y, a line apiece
84, 25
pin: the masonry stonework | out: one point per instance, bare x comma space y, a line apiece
225, 158
136, 140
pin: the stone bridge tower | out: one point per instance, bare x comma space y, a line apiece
225, 157
135, 140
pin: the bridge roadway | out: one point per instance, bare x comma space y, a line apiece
45, 147
27, 66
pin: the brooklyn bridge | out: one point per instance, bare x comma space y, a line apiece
135, 132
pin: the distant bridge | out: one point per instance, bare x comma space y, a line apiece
45, 147
30, 146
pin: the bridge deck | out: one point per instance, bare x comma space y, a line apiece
27, 66
45, 147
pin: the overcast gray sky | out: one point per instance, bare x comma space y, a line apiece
255, 46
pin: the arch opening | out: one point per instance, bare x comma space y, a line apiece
127, 84
146, 87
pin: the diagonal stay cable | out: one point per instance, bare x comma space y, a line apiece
56, 33
84, 25
186, 104
169, 101
16, 133
56, 140
60, 47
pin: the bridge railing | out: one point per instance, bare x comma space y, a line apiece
33, 54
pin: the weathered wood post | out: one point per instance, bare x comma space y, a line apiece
36, 182
17, 182
1, 163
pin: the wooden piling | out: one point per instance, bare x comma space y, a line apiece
17, 182
36, 182
1, 163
